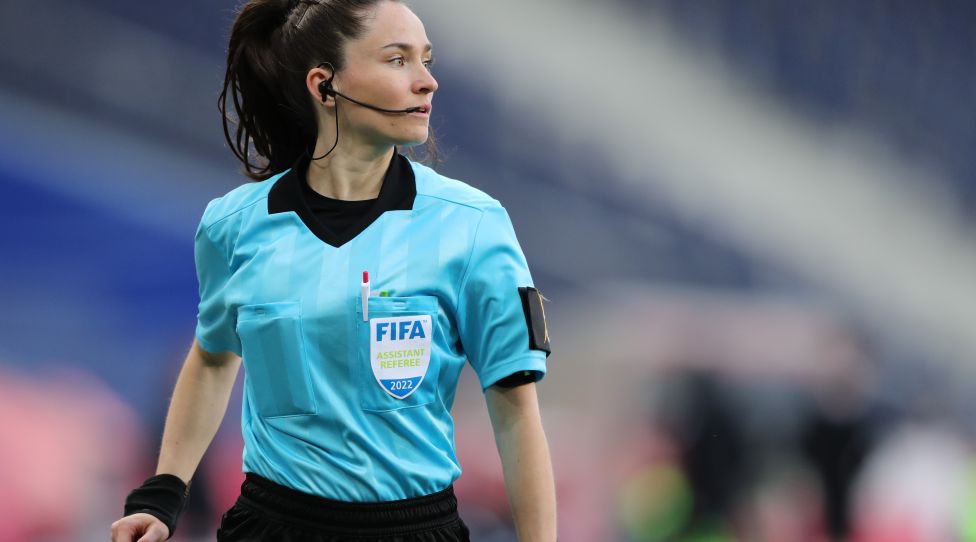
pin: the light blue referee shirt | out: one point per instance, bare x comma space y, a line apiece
338, 406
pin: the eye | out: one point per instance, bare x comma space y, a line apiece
429, 63
398, 61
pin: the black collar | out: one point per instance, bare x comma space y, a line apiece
396, 194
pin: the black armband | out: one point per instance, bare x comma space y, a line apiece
162, 496
535, 319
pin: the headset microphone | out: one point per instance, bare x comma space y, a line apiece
329, 91
325, 89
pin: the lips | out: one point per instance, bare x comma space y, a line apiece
425, 109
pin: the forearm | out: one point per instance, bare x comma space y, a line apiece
198, 405
527, 467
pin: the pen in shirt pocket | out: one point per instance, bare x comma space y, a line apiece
366, 293
364, 290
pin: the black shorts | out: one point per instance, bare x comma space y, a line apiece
269, 511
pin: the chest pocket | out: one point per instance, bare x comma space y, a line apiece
273, 348
396, 365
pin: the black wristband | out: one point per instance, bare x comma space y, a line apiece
162, 496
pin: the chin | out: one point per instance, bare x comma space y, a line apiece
411, 140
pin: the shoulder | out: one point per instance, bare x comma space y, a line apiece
432, 184
236, 201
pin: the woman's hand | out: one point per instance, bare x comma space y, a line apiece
139, 528
195, 411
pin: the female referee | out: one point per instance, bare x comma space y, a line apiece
354, 283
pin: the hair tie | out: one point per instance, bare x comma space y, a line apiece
293, 4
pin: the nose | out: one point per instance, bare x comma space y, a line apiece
425, 84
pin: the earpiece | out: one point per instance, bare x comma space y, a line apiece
325, 87
326, 90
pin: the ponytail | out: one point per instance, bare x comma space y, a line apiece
255, 83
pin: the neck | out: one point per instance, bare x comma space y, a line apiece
349, 174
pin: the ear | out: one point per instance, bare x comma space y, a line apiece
318, 80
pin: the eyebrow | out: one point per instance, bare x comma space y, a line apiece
406, 46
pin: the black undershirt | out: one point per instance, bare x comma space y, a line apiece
336, 214
336, 222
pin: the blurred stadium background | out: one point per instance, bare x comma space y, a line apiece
754, 220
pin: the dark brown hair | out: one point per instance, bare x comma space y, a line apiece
273, 44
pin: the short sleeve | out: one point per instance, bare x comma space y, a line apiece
492, 319
216, 322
